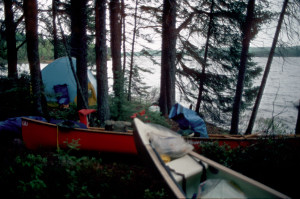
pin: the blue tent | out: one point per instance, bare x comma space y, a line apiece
59, 74
187, 118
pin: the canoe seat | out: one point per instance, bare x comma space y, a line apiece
190, 169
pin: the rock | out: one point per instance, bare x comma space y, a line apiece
120, 126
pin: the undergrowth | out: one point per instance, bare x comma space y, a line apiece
75, 174
274, 162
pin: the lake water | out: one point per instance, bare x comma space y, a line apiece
281, 95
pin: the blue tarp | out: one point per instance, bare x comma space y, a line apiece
13, 126
188, 119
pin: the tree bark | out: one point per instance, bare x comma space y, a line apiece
132, 52
55, 40
297, 132
31, 25
242, 70
79, 49
123, 35
101, 62
10, 30
115, 43
115, 46
267, 70
202, 81
168, 57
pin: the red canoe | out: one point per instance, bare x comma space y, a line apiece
42, 134
234, 141
37, 134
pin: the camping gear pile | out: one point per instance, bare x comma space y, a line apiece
188, 120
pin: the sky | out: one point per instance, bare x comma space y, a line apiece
265, 36
263, 39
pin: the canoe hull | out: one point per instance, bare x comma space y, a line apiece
207, 170
37, 134
234, 141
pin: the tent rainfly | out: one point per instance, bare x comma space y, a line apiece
59, 72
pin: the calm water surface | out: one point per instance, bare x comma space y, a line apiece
281, 94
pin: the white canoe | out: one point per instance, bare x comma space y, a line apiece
193, 175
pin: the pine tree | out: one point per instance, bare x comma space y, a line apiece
267, 70
55, 37
79, 49
168, 56
115, 44
31, 24
220, 57
101, 61
132, 53
10, 29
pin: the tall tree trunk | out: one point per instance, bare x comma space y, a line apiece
297, 132
132, 52
123, 35
101, 62
10, 29
202, 81
247, 26
115, 26
55, 40
168, 56
115, 44
31, 25
79, 49
267, 70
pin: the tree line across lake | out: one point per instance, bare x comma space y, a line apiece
46, 52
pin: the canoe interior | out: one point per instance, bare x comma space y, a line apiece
38, 134
197, 169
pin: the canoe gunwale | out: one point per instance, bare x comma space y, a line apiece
88, 130
38, 134
147, 152
236, 174
150, 154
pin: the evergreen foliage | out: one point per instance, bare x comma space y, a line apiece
223, 60
11, 91
261, 161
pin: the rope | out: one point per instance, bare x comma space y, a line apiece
57, 141
204, 174
183, 178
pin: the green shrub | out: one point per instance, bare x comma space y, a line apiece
154, 194
269, 161
15, 97
273, 126
70, 113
